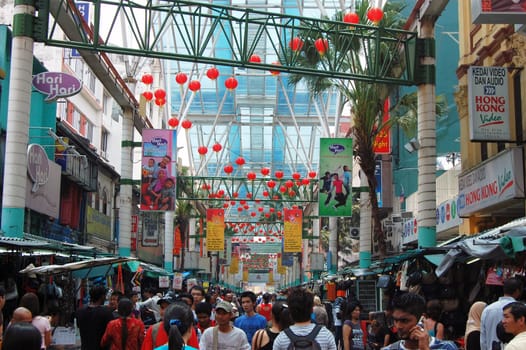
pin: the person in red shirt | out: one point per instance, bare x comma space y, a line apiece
156, 335
204, 312
114, 338
265, 307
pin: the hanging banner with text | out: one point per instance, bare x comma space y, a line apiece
335, 196
293, 221
159, 161
382, 141
215, 230
489, 104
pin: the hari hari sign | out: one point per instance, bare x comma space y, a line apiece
56, 85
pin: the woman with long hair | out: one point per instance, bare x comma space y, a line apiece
31, 302
280, 319
125, 332
178, 321
432, 324
352, 333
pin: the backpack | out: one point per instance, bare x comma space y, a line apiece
305, 341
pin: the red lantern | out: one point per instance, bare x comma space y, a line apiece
275, 72
194, 85
296, 44
240, 209
322, 45
251, 176
235, 194
375, 14
305, 182
312, 174
279, 174
228, 169
148, 95
253, 214
296, 176
260, 209
231, 83
181, 78
292, 193
202, 150
212, 73
265, 171
271, 183
186, 124
147, 79
255, 59
240, 161
225, 205
265, 193
249, 195
173, 122
289, 184
351, 18
160, 102
221, 193
282, 189
217, 147
159, 93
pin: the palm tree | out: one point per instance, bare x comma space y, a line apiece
365, 98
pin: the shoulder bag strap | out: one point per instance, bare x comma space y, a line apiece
215, 337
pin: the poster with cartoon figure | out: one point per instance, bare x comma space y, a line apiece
335, 185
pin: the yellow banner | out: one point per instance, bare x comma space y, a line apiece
292, 230
215, 230
245, 275
271, 277
234, 265
282, 270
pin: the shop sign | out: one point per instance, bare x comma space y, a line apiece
498, 11
447, 215
98, 224
37, 166
489, 104
410, 231
56, 85
493, 182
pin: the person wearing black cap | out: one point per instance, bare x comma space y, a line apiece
224, 335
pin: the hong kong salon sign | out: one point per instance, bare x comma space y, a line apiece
492, 183
489, 104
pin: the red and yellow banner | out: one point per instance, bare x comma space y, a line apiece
293, 222
382, 142
215, 230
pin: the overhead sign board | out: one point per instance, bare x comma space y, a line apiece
498, 11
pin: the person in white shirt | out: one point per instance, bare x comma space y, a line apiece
224, 336
514, 322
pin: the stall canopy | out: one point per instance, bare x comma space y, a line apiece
82, 269
500, 243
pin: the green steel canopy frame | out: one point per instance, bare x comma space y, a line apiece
199, 24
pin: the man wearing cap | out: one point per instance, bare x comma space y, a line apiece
224, 334
156, 335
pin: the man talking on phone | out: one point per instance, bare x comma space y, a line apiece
407, 311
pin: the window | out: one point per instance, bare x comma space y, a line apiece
104, 140
89, 130
105, 202
76, 119
91, 81
106, 104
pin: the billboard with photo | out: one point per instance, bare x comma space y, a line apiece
158, 170
335, 197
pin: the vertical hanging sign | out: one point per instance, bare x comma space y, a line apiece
292, 230
335, 196
159, 154
489, 104
215, 230
382, 141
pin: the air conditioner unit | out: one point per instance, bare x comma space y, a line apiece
396, 218
355, 232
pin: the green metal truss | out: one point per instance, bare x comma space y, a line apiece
198, 25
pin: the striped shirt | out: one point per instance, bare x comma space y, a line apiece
324, 338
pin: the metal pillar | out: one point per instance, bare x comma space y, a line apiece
126, 184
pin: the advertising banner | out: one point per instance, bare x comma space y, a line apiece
335, 196
215, 229
498, 11
382, 141
489, 104
493, 182
293, 222
158, 177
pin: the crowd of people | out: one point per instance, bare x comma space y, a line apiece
200, 320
